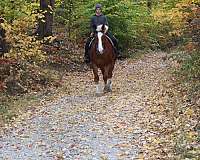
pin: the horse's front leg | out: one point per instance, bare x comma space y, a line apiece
96, 80
107, 79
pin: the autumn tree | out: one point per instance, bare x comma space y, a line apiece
68, 13
46, 18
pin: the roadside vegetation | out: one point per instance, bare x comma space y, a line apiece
36, 55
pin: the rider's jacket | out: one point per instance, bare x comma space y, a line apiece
98, 20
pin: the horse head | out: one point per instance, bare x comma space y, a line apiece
101, 29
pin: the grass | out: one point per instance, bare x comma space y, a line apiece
190, 74
188, 78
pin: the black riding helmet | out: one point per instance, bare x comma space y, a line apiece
98, 6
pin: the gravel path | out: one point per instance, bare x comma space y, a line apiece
83, 126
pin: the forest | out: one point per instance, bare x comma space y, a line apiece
42, 43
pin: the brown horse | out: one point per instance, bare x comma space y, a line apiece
102, 55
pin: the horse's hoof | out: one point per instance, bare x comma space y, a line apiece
98, 94
107, 89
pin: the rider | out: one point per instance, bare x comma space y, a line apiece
96, 20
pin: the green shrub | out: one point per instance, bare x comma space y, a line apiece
191, 67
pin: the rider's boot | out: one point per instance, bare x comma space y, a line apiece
87, 58
118, 53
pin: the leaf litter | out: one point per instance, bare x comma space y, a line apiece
137, 121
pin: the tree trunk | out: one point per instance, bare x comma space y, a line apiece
3, 43
46, 23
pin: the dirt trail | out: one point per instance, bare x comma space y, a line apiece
83, 126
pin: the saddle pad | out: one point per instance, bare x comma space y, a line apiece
110, 41
91, 42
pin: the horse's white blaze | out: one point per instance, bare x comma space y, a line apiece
98, 88
100, 45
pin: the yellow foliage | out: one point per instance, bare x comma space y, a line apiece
172, 23
175, 17
189, 112
24, 46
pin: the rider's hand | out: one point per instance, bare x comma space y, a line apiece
91, 34
106, 29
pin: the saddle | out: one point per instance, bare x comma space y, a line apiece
92, 39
